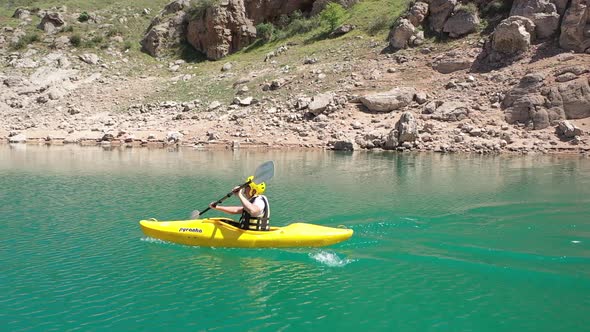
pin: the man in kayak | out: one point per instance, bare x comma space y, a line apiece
255, 209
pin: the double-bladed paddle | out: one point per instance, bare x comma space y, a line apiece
263, 173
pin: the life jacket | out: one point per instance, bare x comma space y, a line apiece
251, 223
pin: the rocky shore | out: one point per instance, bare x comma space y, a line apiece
497, 92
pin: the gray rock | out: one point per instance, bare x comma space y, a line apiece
576, 98
173, 137
576, 70
214, 105
451, 111
342, 30
566, 77
21, 14
451, 62
407, 128
90, 58
50, 22
574, 27
320, 103
440, 10
227, 66
421, 97
461, 23
417, 13
542, 12
567, 130
391, 141
343, 146
19, 138
389, 101
400, 35
513, 35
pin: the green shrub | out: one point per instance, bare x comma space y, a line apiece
76, 40
333, 15
265, 31
114, 31
93, 42
470, 8
380, 23
84, 17
127, 45
302, 25
199, 7
25, 40
68, 28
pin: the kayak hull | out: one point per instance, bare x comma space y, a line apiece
218, 232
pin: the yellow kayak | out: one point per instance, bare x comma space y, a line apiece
217, 232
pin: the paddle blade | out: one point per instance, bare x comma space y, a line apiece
264, 172
195, 215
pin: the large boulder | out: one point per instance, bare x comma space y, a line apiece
400, 35
407, 128
452, 62
567, 130
525, 102
461, 23
539, 104
229, 26
417, 13
451, 111
513, 35
576, 98
167, 28
389, 101
50, 22
320, 103
542, 12
575, 28
21, 14
440, 10
221, 30
216, 28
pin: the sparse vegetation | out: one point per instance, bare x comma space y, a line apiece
380, 23
127, 45
470, 8
75, 40
497, 7
199, 7
25, 40
114, 31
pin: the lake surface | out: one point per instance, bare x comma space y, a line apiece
441, 242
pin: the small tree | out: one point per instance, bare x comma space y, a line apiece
265, 31
333, 15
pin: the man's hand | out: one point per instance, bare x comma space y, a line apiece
213, 205
237, 190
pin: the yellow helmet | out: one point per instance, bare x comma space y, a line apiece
259, 187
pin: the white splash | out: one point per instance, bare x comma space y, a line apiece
330, 259
152, 240
576, 241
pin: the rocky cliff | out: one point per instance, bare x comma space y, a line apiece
219, 28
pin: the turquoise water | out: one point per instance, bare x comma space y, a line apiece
441, 243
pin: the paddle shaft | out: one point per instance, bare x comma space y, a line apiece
225, 197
